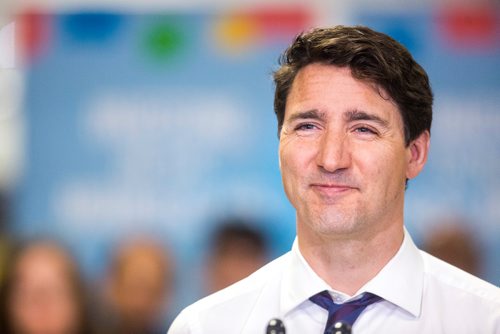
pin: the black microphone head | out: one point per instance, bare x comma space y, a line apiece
340, 327
275, 326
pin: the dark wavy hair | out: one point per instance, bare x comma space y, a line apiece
372, 57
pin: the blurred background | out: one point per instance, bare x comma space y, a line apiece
140, 140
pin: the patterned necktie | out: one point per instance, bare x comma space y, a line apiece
347, 312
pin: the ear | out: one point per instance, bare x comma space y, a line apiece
417, 152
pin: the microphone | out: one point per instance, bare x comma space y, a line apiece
340, 327
276, 326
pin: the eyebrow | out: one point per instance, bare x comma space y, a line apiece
359, 115
308, 114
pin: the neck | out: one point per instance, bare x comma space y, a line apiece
347, 262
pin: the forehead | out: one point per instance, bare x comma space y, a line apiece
328, 87
43, 262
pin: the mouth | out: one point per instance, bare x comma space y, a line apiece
331, 189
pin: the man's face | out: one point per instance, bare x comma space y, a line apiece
342, 153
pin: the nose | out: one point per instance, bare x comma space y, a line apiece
333, 151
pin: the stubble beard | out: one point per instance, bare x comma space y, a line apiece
331, 221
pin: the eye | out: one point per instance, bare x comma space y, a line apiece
364, 129
305, 126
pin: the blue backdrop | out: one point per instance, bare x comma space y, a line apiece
162, 124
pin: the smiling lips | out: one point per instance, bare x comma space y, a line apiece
331, 189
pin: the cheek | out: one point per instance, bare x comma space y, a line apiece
288, 170
292, 170
386, 166
297, 152
292, 164
286, 160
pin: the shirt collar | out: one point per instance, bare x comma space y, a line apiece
299, 281
399, 282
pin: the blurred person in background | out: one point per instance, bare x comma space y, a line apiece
138, 289
43, 292
451, 241
237, 250
4, 239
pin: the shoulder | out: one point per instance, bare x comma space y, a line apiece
231, 306
448, 277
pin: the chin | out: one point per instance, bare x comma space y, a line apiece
334, 223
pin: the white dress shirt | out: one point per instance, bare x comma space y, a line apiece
421, 293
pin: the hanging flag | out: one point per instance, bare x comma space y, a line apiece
91, 27
472, 27
33, 32
242, 30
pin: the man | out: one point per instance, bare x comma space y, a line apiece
354, 114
